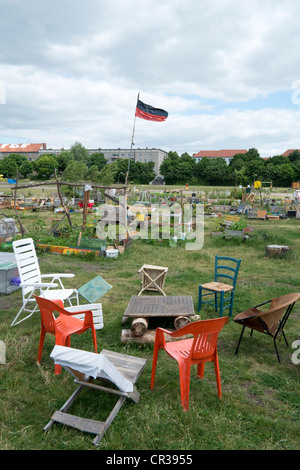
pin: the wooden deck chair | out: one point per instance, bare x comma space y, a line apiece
32, 280
271, 321
89, 371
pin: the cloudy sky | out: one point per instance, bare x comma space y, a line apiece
227, 72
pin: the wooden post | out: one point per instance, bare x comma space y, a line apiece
23, 229
61, 199
86, 199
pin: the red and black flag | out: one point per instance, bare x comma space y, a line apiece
145, 111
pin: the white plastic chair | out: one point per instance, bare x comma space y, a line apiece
32, 280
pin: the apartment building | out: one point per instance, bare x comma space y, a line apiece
138, 155
31, 151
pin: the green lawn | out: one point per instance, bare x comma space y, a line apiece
260, 404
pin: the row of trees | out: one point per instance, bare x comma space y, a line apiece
242, 169
77, 165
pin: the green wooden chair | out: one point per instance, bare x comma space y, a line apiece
223, 294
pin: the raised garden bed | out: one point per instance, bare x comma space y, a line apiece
68, 250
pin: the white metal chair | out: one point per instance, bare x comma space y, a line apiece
32, 280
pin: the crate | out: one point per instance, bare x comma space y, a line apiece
7, 228
8, 270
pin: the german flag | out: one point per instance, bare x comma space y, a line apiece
145, 111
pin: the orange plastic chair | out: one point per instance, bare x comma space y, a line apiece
198, 350
63, 326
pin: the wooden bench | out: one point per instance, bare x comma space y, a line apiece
231, 219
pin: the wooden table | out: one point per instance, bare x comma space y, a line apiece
142, 308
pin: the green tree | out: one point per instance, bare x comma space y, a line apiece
170, 168
144, 172
252, 153
120, 168
240, 177
238, 161
277, 160
63, 159
11, 164
215, 170
8, 167
75, 171
296, 168
26, 168
255, 169
294, 156
97, 159
45, 166
280, 175
79, 152
108, 174
186, 168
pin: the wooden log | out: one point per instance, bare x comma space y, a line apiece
148, 337
139, 326
277, 250
181, 321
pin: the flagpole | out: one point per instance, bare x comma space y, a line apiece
132, 143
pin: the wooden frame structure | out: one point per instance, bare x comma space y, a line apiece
153, 278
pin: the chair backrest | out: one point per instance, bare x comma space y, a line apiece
27, 262
205, 334
228, 268
47, 307
279, 306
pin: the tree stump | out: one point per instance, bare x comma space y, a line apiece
181, 321
277, 250
139, 326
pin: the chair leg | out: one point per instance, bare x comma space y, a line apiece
184, 377
200, 298
277, 353
94, 339
154, 363
14, 322
221, 303
286, 341
216, 302
240, 339
231, 305
41, 344
200, 370
218, 379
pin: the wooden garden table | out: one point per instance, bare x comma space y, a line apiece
142, 308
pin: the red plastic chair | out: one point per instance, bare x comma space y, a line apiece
198, 350
63, 326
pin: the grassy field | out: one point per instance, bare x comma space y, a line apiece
260, 405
